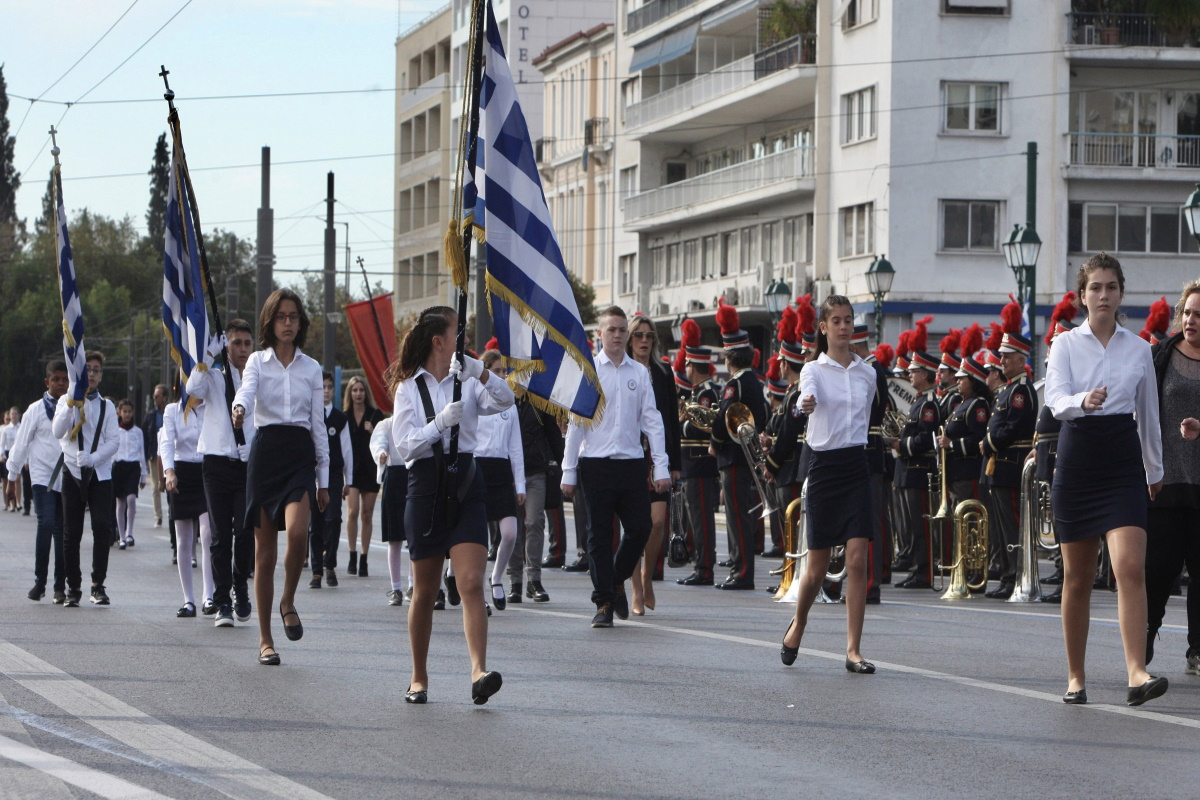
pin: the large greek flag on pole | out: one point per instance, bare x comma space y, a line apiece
185, 318
536, 320
73, 350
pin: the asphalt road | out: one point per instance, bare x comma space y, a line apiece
692, 701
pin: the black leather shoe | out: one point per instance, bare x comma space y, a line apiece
1053, 597
488, 684
419, 697
268, 657
735, 585
774, 552
913, 582
452, 595
604, 617
872, 601
515, 595
186, 610
362, 565
1001, 592
37, 592
331, 579
577, 566
501, 601
1155, 687
352, 565
552, 563
725, 563
440, 603
861, 667
535, 592
695, 580
620, 604
209, 608
788, 654
315, 583
293, 632
1076, 698
1053, 580
901, 566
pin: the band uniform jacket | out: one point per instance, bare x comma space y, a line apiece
1045, 441
917, 454
1010, 433
876, 453
743, 387
949, 400
790, 424
696, 461
966, 428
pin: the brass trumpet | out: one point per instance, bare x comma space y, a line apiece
970, 550
739, 421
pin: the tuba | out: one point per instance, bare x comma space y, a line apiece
739, 421
702, 417
970, 550
1028, 587
793, 521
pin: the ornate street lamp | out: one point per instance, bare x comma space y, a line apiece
777, 297
677, 327
879, 280
1191, 213
1021, 250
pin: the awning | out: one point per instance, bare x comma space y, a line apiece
727, 12
665, 48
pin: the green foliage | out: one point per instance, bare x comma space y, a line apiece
789, 18
585, 298
12, 230
312, 292
160, 176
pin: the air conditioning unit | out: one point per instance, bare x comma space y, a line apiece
765, 271
731, 296
661, 309
786, 270
695, 305
821, 289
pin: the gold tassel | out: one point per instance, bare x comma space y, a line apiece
990, 470
455, 257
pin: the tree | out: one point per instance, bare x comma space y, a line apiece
12, 230
160, 176
585, 298
788, 18
45, 222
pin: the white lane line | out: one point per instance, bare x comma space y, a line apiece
219, 769
1010, 612
94, 781
961, 680
19, 781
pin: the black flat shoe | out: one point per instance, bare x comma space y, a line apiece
485, 687
187, 610
1155, 687
440, 603
501, 601
293, 632
863, 667
1076, 698
788, 654
417, 697
268, 659
452, 595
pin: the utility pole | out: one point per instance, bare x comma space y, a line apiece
329, 356
266, 237
131, 367
1031, 224
231, 281
347, 224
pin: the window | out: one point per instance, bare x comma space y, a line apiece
657, 273
749, 243
672, 264
1101, 224
728, 253
691, 260
602, 232
431, 274
858, 116
628, 180
858, 237
970, 225
627, 266
995, 8
709, 257
1127, 228
972, 107
858, 12
769, 231
676, 171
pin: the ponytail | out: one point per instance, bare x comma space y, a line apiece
418, 343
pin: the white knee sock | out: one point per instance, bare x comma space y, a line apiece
508, 538
121, 518
185, 533
206, 569
130, 514
395, 551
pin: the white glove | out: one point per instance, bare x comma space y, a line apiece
470, 368
449, 416
215, 345
244, 451
83, 459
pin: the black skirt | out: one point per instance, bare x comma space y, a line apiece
501, 496
126, 475
189, 502
839, 497
395, 497
282, 469
1099, 478
424, 522
655, 497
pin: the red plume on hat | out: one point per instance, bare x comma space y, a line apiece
689, 333
919, 339
904, 344
1158, 320
806, 316
680, 360
785, 331
1011, 316
757, 358
996, 337
492, 344
773, 373
727, 318
972, 340
884, 355
951, 341
1064, 310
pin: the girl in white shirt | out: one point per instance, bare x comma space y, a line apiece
289, 458
183, 473
128, 473
836, 391
393, 479
1101, 383
8, 436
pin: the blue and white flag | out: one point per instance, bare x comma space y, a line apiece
185, 318
536, 320
73, 350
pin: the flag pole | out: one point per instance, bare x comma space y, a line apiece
239, 436
70, 343
374, 312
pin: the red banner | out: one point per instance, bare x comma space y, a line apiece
376, 344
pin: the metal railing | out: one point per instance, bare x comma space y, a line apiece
786, 165
595, 131
652, 12
722, 80
1134, 150
543, 149
1137, 30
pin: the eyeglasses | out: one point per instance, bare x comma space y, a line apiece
285, 318
95, 370
645, 335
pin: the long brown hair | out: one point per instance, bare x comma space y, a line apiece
417, 343
830, 303
639, 319
348, 402
266, 319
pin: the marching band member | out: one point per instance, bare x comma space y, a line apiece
965, 429
837, 389
916, 463
1101, 384
947, 392
440, 518
782, 466
1008, 440
736, 480
701, 479
882, 460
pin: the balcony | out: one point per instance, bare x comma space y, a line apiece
595, 132
758, 180
1114, 153
720, 88
1130, 36
652, 12
543, 150
426, 91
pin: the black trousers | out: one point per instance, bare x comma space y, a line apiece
703, 495
877, 546
916, 505
1172, 541
97, 498
325, 529
614, 489
581, 521
745, 528
232, 543
1002, 521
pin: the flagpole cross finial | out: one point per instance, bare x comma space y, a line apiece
359, 261
168, 95
54, 151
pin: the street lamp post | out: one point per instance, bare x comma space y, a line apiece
677, 328
1191, 213
1021, 250
777, 297
879, 280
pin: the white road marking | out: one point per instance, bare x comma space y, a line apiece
94, 781
962, 680
1012, 612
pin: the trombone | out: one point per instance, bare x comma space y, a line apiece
942, 486
739, 421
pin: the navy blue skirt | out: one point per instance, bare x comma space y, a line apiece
839, 497
395, 497
282, 470
424, 523
1099, 478
501, 495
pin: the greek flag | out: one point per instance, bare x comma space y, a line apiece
537, 322
73, 350
185, 319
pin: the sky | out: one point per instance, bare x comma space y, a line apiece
214, 49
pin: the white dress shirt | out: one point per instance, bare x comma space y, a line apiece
499, 436
178, 438
629, 411
8, 435
291, 395
131, 446
216, 427
65, 419
37, 447
1080, 363
844, 396
346, 448
414, 437
382, 444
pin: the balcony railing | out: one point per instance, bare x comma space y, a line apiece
1135, 150
796, 162
722, 80
1137, 30
652, 12
595, 131
543, 149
